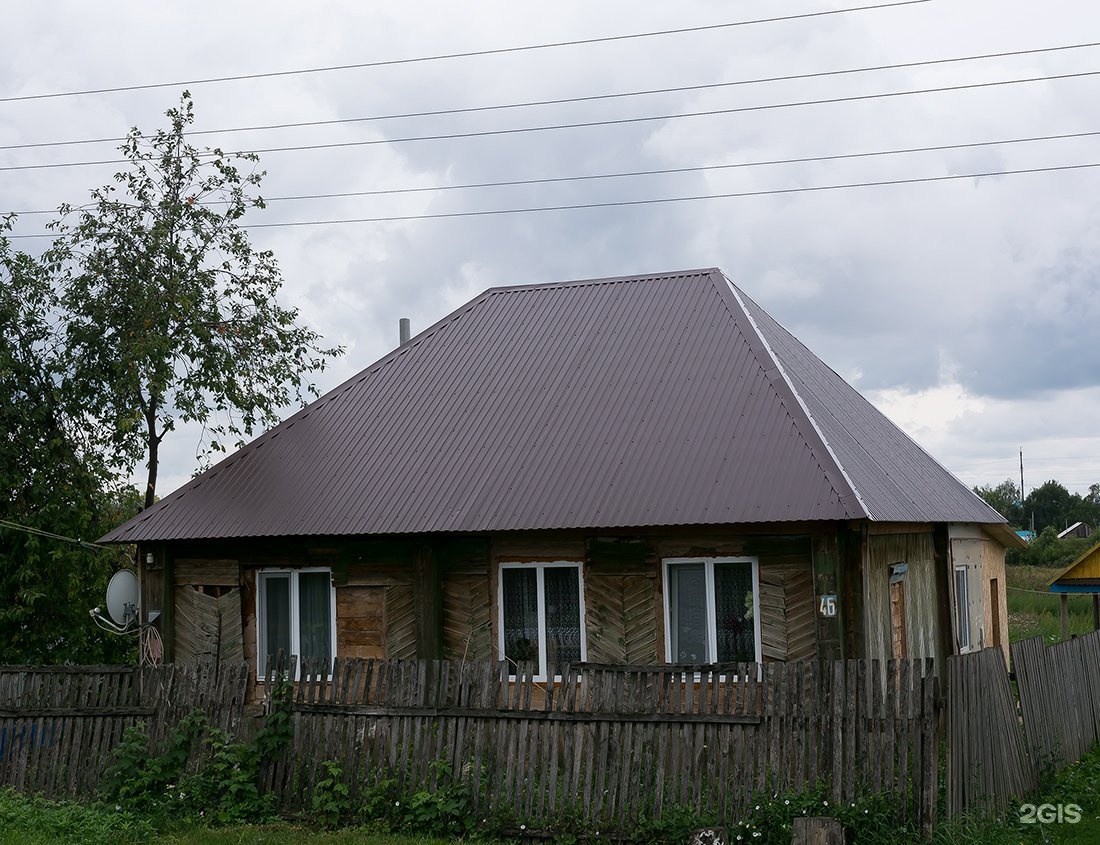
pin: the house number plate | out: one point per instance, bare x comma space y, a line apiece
826, 605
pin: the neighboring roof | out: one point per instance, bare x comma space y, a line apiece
1081, 576
638, 401
1073, 529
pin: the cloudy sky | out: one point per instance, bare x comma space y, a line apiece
967, 309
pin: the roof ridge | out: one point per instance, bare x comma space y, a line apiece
607, 280
774, 359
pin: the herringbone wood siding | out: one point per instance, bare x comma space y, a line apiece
467, 611
208, 627
400, 622
798, 590
196, 625
788, 624
621, 618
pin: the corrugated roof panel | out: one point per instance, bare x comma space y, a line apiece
896, 478
650, 400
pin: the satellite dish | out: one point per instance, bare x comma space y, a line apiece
122, 597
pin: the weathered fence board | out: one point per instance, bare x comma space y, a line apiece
610, 744
1059, 697
58, 724
988, 764
603, 744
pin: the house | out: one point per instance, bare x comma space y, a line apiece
629, 470
1081, 576
1078, 529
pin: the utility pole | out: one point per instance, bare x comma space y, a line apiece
1021, 481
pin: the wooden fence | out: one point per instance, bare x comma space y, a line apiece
608, 745
999, 744
58, 724
1059, 697
602, 745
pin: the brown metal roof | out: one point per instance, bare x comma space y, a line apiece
638, 401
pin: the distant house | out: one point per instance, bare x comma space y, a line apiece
1026, 535
634, 470
1078, 529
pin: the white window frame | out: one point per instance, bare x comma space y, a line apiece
962, 607
712, 628
295, 621
540, 583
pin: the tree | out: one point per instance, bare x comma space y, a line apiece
50, 484
1050, 504
1005, 499
171, 314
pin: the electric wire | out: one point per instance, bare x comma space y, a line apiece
462, 55
571, 100
644, 202
5, 523
450, 136
664, 171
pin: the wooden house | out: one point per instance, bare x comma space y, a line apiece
1081, 530
631, 470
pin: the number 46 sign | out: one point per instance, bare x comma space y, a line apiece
826, 605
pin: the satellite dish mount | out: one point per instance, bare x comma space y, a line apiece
122, 604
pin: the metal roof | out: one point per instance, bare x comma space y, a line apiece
670, 399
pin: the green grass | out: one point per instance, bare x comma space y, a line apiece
33, 821
1032, 611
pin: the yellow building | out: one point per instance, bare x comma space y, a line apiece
1081, 576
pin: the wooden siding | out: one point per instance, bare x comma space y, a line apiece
361, 621
467, 617
996, 612
400, 622
621, 616
788, 620
208, 627
206, 572
920, 609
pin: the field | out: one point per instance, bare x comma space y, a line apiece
1032, 611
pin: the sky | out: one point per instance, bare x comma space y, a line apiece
967, 309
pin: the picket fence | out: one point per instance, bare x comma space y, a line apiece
600, 745
58, 724
605, 746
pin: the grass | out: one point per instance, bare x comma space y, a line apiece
28, 820
34, 821
1032, 611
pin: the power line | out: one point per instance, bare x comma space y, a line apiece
49, 534
654, 201
450, 136
662, 200
664, 171
570, 100
463, 55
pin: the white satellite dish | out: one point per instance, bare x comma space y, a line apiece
122, 597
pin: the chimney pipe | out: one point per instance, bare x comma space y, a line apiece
403, 329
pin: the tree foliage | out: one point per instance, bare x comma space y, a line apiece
1048, 505
171, 314
50, 482
1004, 499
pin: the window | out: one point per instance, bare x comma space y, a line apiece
712, 610
542, 614
962, 608
296, 613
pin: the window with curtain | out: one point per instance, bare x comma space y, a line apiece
540, 614
712, 610
296, 614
